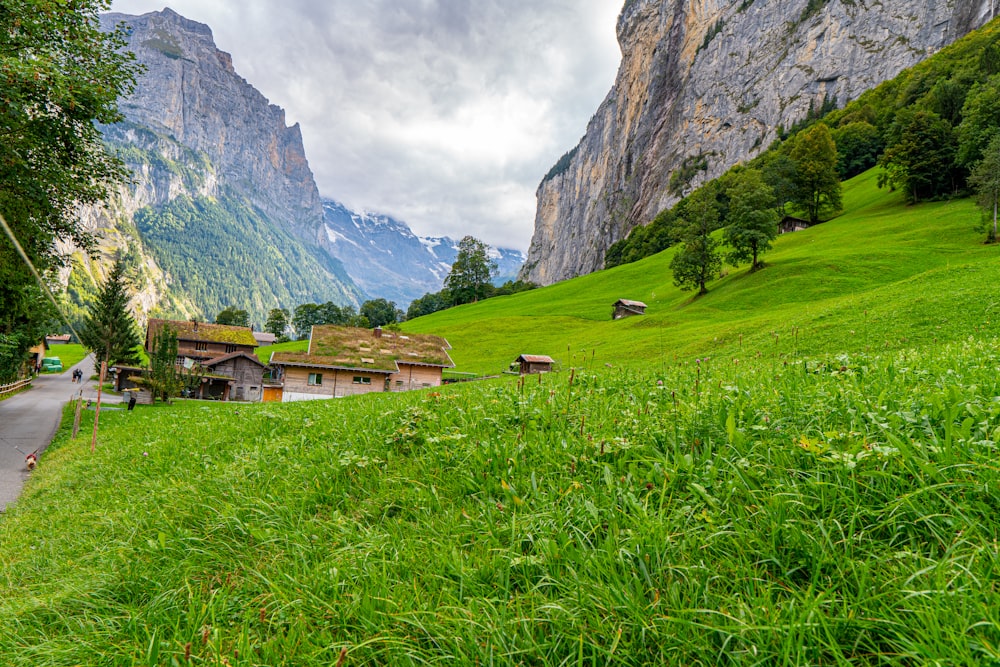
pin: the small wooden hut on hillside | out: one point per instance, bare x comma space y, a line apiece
627, 308
534, 363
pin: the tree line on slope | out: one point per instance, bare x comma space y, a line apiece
933, 131
467, 282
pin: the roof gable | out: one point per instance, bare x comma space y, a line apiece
627, 302
233, 355
535, 359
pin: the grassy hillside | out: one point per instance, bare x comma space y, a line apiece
799, 468
883, 274
734, 511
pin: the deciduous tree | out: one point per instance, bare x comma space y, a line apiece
980, 121
380, 312
698, 260
164, 379
471, 272
921, 162
233, 316
277, 324
60, 76
752, 220
985, 180
816, 184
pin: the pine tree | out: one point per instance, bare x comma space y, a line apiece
109, 330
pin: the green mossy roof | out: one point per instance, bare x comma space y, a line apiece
350, 347
205, 332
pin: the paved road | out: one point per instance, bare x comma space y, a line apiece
30, 419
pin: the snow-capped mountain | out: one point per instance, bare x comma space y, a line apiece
386, 259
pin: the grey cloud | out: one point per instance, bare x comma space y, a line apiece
443, 113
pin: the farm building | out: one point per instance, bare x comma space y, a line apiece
790, 224
244, 373
344, 361
264, 338
221, 356
201, 341
534, 363
626, 308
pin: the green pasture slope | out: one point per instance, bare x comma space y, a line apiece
823, 492
882, 274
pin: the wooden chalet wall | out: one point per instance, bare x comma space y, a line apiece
248, 377
336, 383
415, 376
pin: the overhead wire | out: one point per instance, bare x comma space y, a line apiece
38, 277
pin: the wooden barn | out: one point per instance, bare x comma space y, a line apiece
534, 363
790, 224
244, 373
345, 361
222, 355
202, 341
627, 308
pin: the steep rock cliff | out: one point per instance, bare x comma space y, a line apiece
703, 85
223, 208
191, 93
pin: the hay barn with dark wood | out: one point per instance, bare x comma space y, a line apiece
627, 308
534, 363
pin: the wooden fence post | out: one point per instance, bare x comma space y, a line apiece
76, 417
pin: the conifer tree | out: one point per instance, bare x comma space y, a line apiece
109, 330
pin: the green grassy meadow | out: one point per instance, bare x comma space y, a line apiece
799, 468
881, 275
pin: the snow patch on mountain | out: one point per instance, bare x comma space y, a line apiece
386, 259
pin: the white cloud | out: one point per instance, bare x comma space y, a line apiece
443, 113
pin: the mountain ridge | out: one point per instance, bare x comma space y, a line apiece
387, 259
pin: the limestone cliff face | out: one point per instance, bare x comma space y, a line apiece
191, 92
709, 82
222, 208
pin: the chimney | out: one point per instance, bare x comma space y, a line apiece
195, 323
377, 331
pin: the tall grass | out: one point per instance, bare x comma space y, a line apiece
753, 509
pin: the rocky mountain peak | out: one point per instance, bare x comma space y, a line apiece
191, 92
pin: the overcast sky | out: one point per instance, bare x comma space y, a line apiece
445, 114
